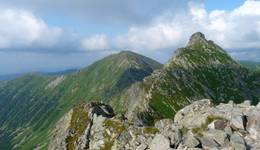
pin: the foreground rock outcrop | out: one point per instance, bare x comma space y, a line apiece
200, 125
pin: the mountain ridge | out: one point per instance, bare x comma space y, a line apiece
200, 70
34, 102
139, 89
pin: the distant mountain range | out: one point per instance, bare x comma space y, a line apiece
137, 87
17, 75
251, 64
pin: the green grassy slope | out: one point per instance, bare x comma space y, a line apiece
31, 105
200, 70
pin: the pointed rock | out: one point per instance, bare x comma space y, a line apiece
197, 37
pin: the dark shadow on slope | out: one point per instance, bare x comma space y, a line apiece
129, 77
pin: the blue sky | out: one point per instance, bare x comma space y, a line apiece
47, 35
79, 25
222, 4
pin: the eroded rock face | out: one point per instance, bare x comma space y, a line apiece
81, 128
200, 125
60, 133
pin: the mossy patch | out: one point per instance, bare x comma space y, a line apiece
78, 125
116, 128
115, 125
109, 141
150, 130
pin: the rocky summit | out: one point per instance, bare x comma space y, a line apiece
200, 125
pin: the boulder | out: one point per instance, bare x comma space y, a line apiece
191, 141
237, 141
223, 127
253, 125
209, 143
245, 104
219, 136
193, 115
238, 122
160, 143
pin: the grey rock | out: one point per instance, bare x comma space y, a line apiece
228, 130
160, 143
142, 147
245, 104
219, 136
197, 37
238, 142
227, 148
97, 136
238, 130
190, 141
165, 124
253, 125
239, 147
193, 115
208, 143
238, 122
125, 136
60, 133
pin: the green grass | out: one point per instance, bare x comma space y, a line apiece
116, 126
150, 130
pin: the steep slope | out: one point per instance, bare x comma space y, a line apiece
200, 70
31, 105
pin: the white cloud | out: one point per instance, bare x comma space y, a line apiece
250, 7
156, 36
95, 42
20, 28
235, 29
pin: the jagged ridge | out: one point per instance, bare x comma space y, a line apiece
200, 70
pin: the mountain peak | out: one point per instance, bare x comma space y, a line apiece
201, 52
197, 37
127, 53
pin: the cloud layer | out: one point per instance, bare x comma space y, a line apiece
236, 29
24, 32
95, 42
169, 30
109, 11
